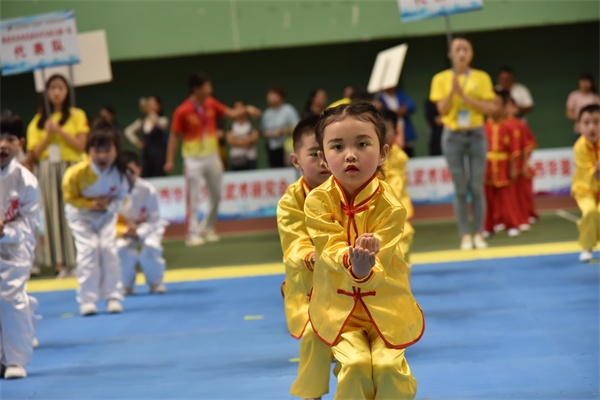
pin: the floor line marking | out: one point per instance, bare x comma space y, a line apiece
567, 215
254, 270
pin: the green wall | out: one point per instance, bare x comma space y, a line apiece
148, 29
548, 60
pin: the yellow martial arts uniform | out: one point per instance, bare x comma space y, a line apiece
368, 321
298, 250
395, 176
586, 190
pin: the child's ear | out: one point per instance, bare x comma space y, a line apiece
295, 161
22, 143
383, 155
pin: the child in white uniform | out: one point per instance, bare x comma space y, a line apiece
19, 217
139, 225
93, 191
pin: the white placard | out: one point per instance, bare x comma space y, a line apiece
94, 66
387, 68
415, 10
38, 41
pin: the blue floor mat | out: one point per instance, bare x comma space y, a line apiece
522, 328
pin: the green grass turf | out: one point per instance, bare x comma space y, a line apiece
241, 249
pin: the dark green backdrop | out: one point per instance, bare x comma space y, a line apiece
548, 60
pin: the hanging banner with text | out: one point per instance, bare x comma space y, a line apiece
38, 41
416, 10
254, 194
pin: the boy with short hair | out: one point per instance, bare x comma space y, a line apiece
19, 218
396, 164
501, 171
299, 259
586, 179
139, 225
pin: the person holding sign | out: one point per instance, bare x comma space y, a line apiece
463, 96
57, 141
195, 122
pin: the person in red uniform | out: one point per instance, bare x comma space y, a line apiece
503, 151
525, 173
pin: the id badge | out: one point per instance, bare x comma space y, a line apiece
54, 153
464, 119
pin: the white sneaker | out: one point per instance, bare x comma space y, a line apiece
129, 291
466, 243
479, 242
158, 289
585, 256
114, 306
524, 227
211, 236
486, 234
15, 372
88, 308
36, 343
194, 241
532, 220
513, 232
499, 228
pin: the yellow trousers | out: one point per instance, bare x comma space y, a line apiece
369, 369
314, 367
589, 224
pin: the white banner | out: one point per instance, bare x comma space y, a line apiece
247, 194
429, 180
38, 41
253, 194
415, 10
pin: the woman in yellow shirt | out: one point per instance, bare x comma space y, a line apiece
57, 142
463, 96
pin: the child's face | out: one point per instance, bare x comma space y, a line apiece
57, 92
499, 108
352, 152
589, 126
240, 106
274, 99
152, 106
10, 145
512, 109
104, 156
585, 85
136, 170
307, 160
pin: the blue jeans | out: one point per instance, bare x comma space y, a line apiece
465, 153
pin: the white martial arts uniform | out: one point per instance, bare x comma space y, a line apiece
141, 207
98, 269
20, 213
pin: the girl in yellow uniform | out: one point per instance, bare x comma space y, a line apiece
56, 141
299, 259
586, 179
361, 305
94, 190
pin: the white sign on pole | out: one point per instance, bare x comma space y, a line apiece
387, 68
94, 66
415, 10
38, 41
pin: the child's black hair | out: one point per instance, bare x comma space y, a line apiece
197, 79
66, 105
103, 136
277, 89
591, 108
508, 69
504, 95
389, 115
128, 156
306, 126
11, 123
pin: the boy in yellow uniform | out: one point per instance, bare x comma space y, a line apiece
299, 259
395, 175
586, 179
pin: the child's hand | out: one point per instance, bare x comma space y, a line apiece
101, 203
131, 232
362, 255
